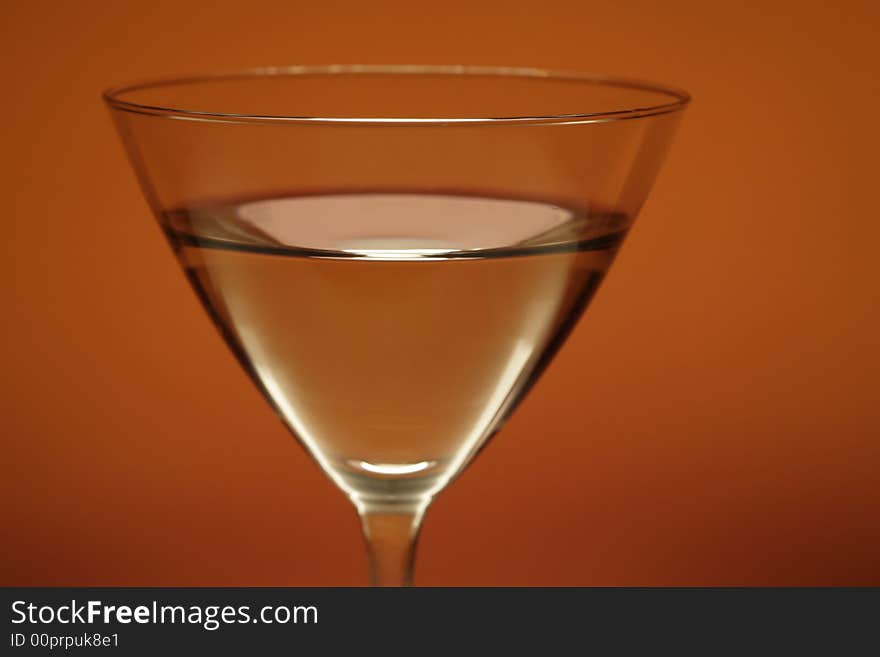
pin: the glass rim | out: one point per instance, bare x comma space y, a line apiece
679, 98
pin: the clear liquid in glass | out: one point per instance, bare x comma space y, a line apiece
393, 333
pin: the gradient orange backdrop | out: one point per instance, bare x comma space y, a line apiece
713, 420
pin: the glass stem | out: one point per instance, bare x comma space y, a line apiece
391, 534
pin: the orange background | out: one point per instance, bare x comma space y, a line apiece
714, 420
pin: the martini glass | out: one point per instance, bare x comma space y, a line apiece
394, 254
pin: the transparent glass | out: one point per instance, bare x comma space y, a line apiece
395, 254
